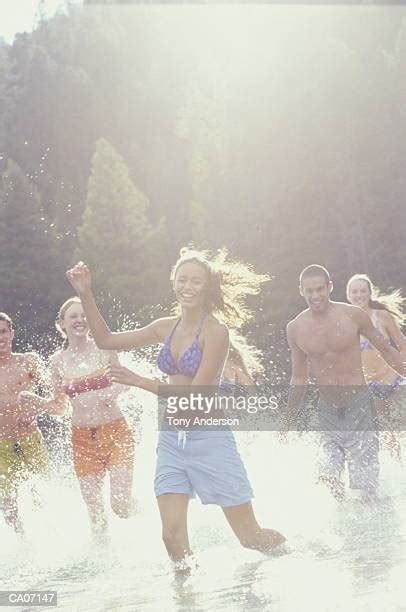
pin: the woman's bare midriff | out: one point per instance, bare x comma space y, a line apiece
93, 408
376, 368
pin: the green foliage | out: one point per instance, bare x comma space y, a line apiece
26, 249
284, 143
116, 238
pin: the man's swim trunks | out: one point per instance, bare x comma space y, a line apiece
21, 458
349, 434
100, 448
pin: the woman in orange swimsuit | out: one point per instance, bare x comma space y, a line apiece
101, 438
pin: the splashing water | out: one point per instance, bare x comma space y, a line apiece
338, 557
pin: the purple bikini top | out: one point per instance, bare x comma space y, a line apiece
189, 361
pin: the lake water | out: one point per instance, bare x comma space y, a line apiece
339, 557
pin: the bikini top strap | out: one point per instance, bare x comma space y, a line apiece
173, 329
199, 329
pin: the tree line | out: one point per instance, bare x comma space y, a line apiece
126, 134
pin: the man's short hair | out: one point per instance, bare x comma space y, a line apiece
5, 317
312, 271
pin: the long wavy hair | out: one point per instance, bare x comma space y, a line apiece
392, 302
229, 282
249, 357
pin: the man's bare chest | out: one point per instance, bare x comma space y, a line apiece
323, 339
12, 381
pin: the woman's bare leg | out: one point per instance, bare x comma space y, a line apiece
173, 508
121, 480
244, 524
92, 492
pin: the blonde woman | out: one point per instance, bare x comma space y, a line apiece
102, 441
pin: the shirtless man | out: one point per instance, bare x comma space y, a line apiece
22, 450
325, 337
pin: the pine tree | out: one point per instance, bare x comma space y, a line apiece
116, 238
26, 248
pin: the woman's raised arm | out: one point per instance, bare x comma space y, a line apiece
80, 278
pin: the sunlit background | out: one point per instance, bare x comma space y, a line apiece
18, 16
276, 131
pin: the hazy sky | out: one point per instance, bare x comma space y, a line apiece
19, 15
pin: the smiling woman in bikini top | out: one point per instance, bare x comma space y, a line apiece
210, 292
80, 370
386, 314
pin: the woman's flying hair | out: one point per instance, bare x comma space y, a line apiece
246, 355
229, 284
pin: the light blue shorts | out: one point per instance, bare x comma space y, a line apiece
206, 463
